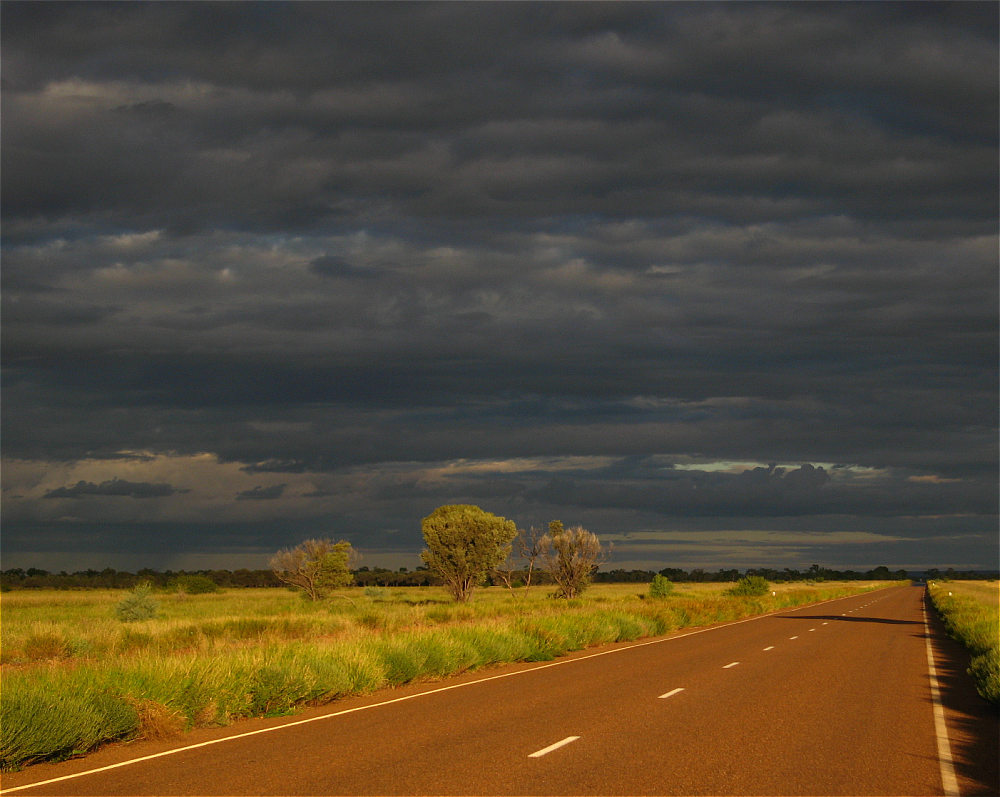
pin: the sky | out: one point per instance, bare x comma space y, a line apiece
718, 282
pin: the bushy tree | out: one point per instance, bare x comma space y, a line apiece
315, 566
660, 587
570, 557
463, 544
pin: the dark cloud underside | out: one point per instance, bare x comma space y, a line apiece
329, 265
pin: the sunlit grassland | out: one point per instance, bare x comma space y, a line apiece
971, 613
75, 677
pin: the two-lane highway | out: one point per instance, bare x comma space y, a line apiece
830, 699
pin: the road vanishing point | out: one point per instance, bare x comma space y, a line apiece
863, 695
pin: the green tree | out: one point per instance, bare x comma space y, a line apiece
315, 566
137, 605
660, 587
570, 556
463, 544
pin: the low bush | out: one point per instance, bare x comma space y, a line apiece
750, 586
196, 585
137, 605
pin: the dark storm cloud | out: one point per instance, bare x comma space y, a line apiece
696, 111
331, 240
767, 492
262, 493
115, 488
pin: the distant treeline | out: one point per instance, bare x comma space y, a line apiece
33, 578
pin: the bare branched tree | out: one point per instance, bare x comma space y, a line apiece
315, 566
520, 562
570, 556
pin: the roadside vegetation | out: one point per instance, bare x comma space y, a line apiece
971, 614
75, 676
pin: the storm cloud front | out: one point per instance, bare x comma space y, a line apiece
717, 281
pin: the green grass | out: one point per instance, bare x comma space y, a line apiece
971, 614
75, 678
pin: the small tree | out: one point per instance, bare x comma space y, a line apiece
661, 586
463, 544
315, 566
521, 560
570, 556
137, 605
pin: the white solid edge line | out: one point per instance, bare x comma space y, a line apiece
948, 780
551, 747
672, 692
409, 697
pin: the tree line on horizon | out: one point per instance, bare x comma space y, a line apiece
34, 578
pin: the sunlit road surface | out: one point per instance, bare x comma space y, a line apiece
832, 699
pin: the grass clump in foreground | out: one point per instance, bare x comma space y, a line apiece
972, 616
270, 653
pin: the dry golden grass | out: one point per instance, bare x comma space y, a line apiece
985, 592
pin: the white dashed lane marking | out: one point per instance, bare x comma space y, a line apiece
551, 747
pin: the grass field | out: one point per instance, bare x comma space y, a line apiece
75, 677
971, 613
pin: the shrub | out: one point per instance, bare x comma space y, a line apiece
660, 587
137, 605
751, 586
196, 585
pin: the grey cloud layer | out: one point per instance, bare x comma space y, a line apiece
315, 237
114, 487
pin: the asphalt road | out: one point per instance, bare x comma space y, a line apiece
833, 699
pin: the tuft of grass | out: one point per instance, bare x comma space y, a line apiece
157, 721
973, 618
40, 724
45, 646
